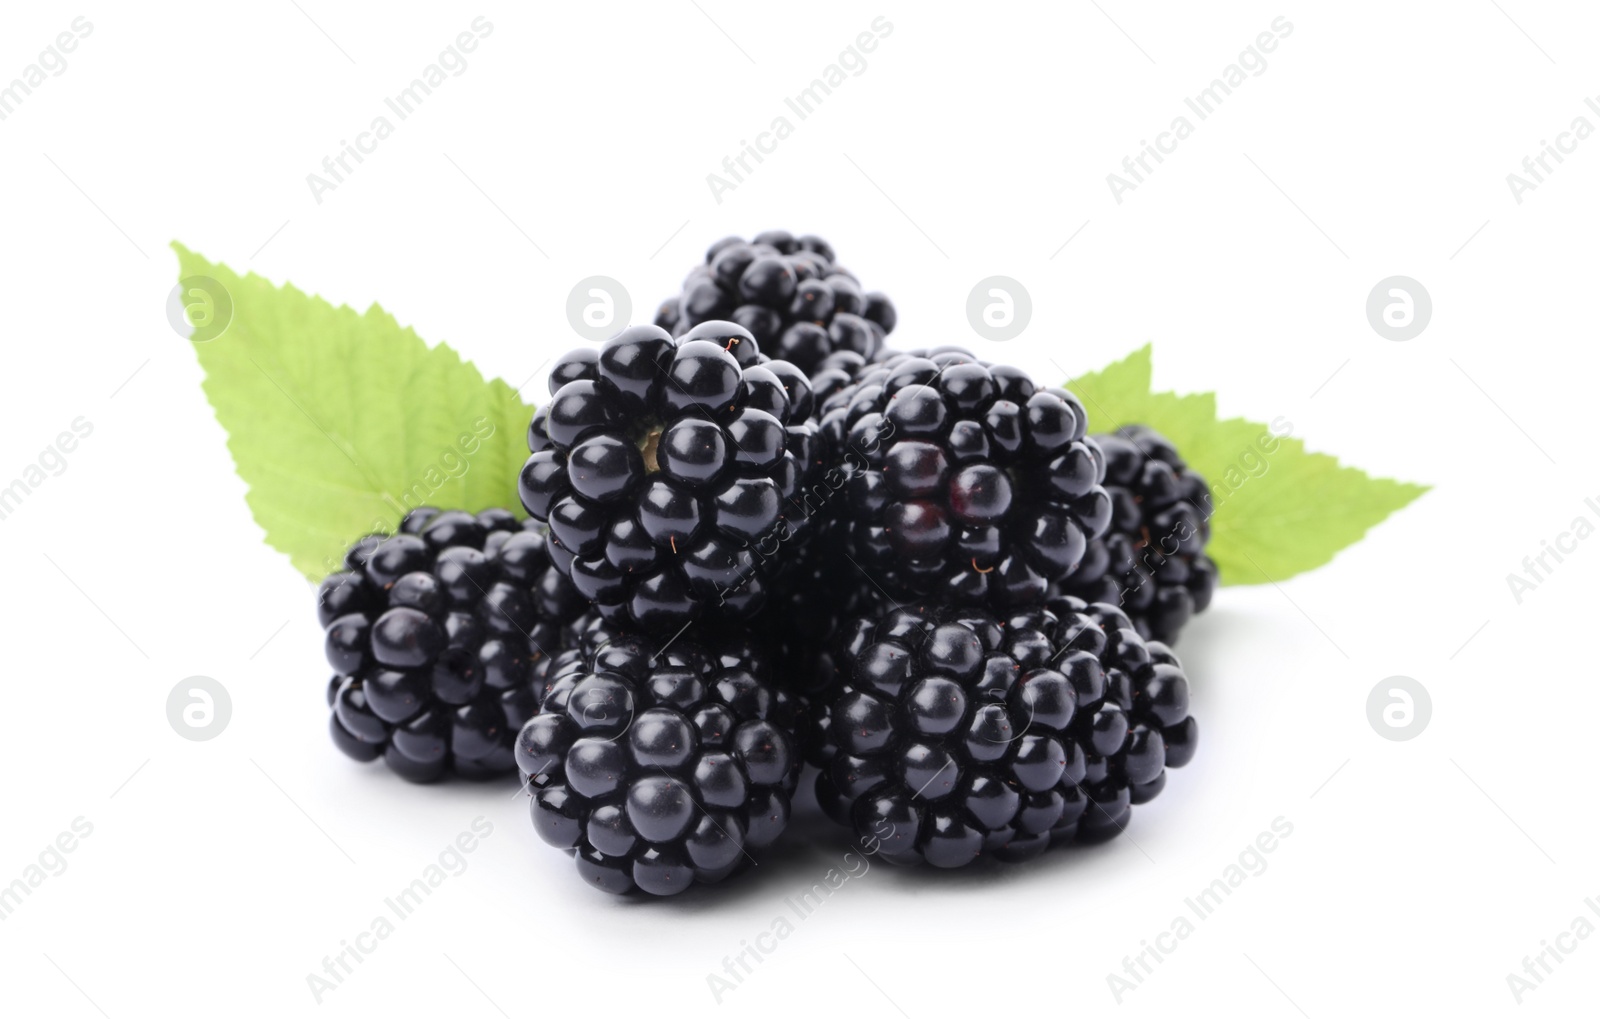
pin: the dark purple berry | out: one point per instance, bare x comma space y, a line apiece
1151, 562
661, 763
437, 637
952, 734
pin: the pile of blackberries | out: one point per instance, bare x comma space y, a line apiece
763, 547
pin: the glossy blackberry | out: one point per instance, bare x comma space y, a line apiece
660, 764
788, 291
965, 482
434, 635
1152, 560
667, 470
957, 734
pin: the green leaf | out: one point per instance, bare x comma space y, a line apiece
1280, 510
340, 422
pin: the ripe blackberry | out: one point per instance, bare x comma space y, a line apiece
666, 469
1152, 560
957, 734
433, 635
962, 481
789, 293
660, 764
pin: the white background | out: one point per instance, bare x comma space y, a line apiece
577, 142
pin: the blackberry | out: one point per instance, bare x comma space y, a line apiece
660, 764
666, 469
1152, 560
789, 292
434, 635
962, 481
957, 734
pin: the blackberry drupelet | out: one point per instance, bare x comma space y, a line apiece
789, 292
1152, 560
964, 483
434, 635
660, 764
957, 734
667, 470
838, 370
